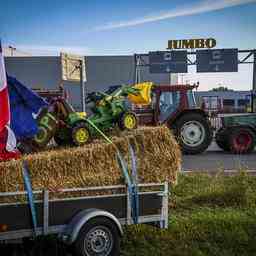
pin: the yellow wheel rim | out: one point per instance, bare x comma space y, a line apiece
82, 135
130, 121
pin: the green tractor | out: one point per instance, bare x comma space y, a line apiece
109, 109
238, 133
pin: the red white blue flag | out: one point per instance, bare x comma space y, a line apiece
7, 137
4, 98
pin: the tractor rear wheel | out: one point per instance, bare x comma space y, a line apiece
193, 132
43, 137
128, 121
80, 134
241, 141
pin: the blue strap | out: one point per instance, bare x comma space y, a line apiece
30, 196
135, 186
131, 183
124, 168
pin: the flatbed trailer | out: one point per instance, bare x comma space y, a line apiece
91, 221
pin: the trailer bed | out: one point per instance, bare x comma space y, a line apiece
53, 215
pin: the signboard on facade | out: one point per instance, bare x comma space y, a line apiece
217, 60
192, 43
72, 66
168, 62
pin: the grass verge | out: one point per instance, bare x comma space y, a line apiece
208, 216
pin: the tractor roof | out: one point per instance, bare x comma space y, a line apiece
177, 87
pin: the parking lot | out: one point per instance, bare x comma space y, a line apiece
215, 159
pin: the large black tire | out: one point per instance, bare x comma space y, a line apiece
43, 137
193, 132
80, 134
241, 140
222, 139
61, 141
128, 121
97, 237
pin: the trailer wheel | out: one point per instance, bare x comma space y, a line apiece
128, 121
98, 237
193, 132
80, 134
241, 141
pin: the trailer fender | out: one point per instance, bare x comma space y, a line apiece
78, 221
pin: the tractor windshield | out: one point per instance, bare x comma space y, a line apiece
191, 99
169, 103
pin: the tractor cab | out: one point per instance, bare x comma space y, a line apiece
171, 102
167, 102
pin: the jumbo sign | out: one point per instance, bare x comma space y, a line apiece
192, 43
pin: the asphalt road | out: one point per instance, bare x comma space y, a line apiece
215, 159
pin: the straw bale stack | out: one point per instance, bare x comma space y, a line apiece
95, 164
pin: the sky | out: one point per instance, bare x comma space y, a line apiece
121, 27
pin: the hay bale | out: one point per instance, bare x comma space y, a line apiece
95, 164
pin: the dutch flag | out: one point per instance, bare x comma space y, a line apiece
7, 137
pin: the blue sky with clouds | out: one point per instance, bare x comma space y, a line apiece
95, 27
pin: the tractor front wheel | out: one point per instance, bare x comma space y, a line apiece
80, 134
128, 121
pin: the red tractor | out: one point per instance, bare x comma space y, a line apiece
176, 107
